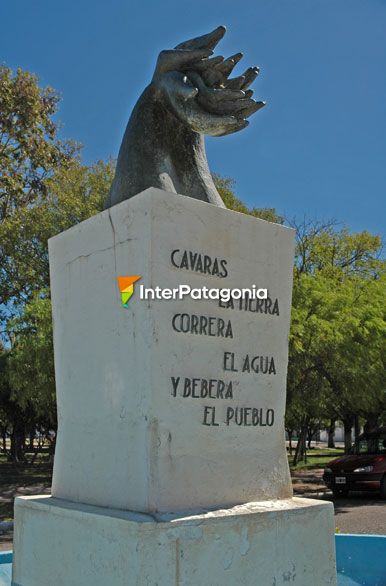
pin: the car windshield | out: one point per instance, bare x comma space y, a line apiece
370, 445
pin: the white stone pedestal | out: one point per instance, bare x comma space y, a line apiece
58, 543
170, 409
136, 430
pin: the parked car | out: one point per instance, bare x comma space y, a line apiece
364, 468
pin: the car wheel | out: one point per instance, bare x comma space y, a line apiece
340, 492
383, 487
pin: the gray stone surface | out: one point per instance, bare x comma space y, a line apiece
256, 544
189, 96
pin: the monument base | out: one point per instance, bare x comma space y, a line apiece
262, 544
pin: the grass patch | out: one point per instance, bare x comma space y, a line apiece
316, 458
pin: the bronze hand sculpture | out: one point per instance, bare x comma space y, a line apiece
190, 95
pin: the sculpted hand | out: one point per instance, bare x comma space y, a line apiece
191, 94
197, 90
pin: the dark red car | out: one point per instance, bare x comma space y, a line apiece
364, 468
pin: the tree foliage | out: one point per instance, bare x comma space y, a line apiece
338, 326
31, 360
30, 153
73, 195
44, 190
337, 337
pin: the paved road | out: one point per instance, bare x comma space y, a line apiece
357, 513
360, 513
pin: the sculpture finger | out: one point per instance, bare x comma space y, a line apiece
217, 76
227, 66
224, 101
213, 78
215, 125
249, 93
208, 41
250, 107
235, 128
205, 64
212, 99
236, 83
250, 76
223, 95
174, 60
234, 108
191, 113
213, 94
242, 108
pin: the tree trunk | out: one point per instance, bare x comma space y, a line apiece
17, 442
331, 434
290, 434
52, 446
348, 424
4, 439
310, 434
372, 423
357, 428
300, 452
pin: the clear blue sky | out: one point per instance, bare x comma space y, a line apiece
318, 148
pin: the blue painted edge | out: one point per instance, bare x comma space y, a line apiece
361, 557
5, 557
342, 535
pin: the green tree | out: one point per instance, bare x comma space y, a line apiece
30, 153
338, 327
15, 419
31, 361
44, 189
4, 395
73, 195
